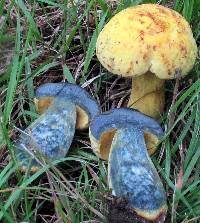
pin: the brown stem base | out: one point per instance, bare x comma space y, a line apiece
119, 212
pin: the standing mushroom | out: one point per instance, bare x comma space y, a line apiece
149, 43
52, 133
131, 173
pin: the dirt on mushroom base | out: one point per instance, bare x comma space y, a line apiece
120, 211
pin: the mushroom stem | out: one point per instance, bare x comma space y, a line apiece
63, 107
147, 94
133, 176
131, 173
50, 135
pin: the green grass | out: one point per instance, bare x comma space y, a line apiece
55, 41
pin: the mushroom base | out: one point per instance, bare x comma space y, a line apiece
147, 95
120, 211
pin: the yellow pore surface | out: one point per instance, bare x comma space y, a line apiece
82, 119
147, 37
102, 148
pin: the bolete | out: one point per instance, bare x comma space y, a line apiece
149, 43
52, 133
118, 136
86, 106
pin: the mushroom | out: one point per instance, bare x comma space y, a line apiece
118, 136
52, 133
86, 106
149, 43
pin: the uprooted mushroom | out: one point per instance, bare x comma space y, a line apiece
63, 106
118, 136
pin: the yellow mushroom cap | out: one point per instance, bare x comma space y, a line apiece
147, 37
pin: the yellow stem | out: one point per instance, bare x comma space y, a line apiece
147, 95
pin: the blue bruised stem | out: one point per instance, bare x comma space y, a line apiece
133, 176
49, 136
118, 136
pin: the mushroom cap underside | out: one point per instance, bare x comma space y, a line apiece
104, 126
86, 106
147, 37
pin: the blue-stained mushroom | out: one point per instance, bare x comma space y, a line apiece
52, 133
118, 136
86, 106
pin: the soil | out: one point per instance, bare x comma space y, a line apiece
120, 211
